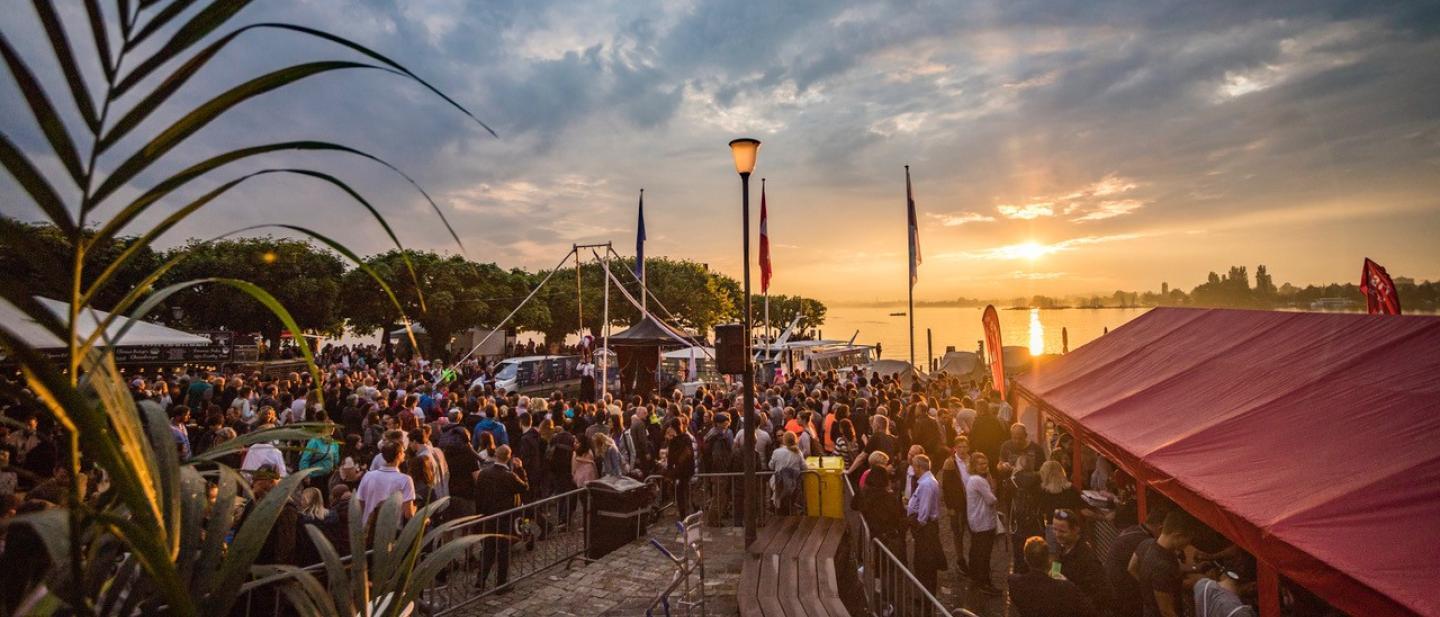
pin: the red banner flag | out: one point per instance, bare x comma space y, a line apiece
764, 243
994, 348
1380, 294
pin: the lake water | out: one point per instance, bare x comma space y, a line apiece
1038, 329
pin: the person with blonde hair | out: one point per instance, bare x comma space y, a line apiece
788, 463
1056, 492
312, 506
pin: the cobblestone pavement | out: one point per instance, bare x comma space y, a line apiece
956, 591
623, 583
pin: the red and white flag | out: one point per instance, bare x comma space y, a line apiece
764, 243
1380, 294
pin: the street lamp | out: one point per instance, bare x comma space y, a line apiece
744, 151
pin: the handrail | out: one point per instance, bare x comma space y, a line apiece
925, 598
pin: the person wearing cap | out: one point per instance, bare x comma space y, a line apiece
1219, 595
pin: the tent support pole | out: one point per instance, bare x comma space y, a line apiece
1077, 470
1268, 584
1140, 490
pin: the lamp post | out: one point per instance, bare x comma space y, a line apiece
744, 151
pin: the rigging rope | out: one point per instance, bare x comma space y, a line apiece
522, 304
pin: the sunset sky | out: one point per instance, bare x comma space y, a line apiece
1056, 147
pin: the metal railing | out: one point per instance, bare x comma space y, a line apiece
529, 539
691, 561
722, 497
897, 592
889, 586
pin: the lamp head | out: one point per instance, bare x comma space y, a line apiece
744, 151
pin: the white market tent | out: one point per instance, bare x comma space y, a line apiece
141, 333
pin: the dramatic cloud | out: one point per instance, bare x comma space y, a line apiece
1023, 122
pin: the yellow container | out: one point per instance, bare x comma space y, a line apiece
825, 488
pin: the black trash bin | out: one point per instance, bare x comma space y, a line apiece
618, 506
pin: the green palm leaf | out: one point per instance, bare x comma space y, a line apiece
35, 185
172, 83
249, 539
102, 40
199, 26
158, 21
336, 578
63, 55
44, 112
135, 248
251, 289
204, 114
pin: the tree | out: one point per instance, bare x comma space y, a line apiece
453, 294
784, 309
1264, 285
37, 257
303, 278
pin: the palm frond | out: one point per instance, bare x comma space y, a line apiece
206, 113
35, 185
254, 291
96, 17
44, 112
60, 45
174, 218
201, 25
249, 539
158, 21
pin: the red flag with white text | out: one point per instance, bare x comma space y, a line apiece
1381, 296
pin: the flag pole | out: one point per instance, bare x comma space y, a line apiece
644, 272
605, 331
910, 270
768, 340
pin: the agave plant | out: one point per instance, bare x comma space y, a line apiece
148, 544
385, 578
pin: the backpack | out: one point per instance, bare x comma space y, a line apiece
717, 452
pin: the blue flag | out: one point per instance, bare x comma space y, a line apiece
640, 241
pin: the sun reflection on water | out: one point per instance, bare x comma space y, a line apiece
1037, 333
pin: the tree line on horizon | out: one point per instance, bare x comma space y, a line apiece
1233, 289
327, 297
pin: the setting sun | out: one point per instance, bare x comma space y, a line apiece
1031, 250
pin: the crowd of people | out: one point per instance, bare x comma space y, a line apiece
943, 457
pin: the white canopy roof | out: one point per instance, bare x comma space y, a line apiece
141, 334
684, 353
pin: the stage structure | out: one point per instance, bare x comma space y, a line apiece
638, 348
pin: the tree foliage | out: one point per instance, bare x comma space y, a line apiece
299, 275
37, 256
453, 294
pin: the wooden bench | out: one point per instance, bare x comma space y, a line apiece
790, 569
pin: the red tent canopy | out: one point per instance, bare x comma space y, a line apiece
1311, 440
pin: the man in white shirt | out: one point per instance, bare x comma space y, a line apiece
262, 454
762, 440
297, 410
380, 483
923, 510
